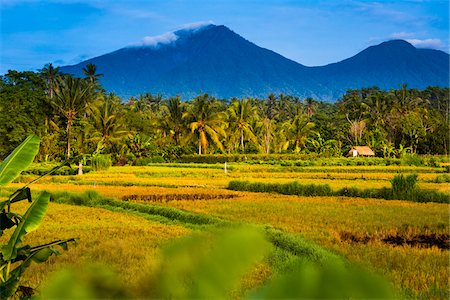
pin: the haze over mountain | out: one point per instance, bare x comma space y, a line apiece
213, 59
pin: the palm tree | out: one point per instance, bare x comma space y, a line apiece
310, 105
171, 119
266, 131
50, 74
298, 130
207, 122
90, 71
109, 126
377, 106
72, 96
271, 107
405, 100
322, 146
242, 114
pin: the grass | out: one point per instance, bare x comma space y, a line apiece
423, 272
290, 245
349, 227
92, 232
126, 243
403, 188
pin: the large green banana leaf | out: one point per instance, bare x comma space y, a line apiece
19, 159
30, 221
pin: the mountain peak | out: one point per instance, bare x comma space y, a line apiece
214, 59
397, 44
172, 36
195, 27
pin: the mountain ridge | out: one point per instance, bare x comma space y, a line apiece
218, 61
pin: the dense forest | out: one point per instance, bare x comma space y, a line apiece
77, 117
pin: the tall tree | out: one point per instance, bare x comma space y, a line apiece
171, 119
207, 122
298, 130
90, 71
23, 108
108, 124
50, 74
241, 115
310, 106
266, 131
72, 96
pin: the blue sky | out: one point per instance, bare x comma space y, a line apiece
312, 33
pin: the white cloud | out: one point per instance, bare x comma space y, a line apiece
162, 39
402, 35
170, 37
195, 26
426, 43
383, 10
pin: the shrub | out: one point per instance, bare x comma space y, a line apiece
101, 162
443, 178
403, 186
292, 188
430, 196
412, 160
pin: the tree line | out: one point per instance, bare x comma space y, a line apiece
76, 116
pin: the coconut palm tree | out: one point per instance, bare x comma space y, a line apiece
298, 130
266, 131
376, 107
109, 126
90, 71
207, 122
72, 97
171, 119
241, 115
50, 74
310, 106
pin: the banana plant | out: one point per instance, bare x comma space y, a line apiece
15, 257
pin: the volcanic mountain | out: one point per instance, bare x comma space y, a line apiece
213, 59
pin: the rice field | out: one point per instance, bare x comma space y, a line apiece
126, 243
406, 242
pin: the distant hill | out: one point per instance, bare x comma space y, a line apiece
387, 65
213, 59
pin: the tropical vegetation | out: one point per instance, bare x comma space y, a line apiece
77, 117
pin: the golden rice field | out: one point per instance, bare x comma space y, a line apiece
125, 243
380, 235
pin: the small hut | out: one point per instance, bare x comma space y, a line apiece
360, 151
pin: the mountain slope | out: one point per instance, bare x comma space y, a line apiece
388, 65
216, 60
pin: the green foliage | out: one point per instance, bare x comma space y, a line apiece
55, 168
331, 281
19, 159
300, 248
30, 221
91, 282
23, 109
443, 178
199, 268
293, 188
311, 159
15, 258
211, 265
77, 114
167, 214
100, 162
403, 188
